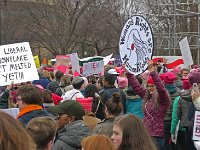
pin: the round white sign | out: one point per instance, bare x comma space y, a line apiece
136, 44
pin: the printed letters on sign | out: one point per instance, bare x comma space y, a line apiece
136, 44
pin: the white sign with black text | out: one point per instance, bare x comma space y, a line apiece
92, 68
136, 44
17, 64
196, 128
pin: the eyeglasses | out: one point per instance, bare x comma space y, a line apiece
150, 86
18, 99
61, 115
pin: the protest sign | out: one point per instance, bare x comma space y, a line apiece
186, 53
11, 111
107, 59
92, 68
37, 61
17, 64
62, 63
75, 63
136, 44
196, 128
172, 61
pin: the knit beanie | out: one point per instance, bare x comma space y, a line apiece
185, 83
194, 77
150, 80
169, 78
122, 82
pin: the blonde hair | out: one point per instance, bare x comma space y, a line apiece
97, 142
12, 135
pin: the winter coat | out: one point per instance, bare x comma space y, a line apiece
105, 127
175, 119
183, 107
44, 82
134, 103
24, 119
70, 137
153, 115
173, 93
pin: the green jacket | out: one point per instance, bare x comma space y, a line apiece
174, 121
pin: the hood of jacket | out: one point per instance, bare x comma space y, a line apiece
73, 133
171, 88
186, 95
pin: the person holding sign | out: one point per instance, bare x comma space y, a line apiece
155, 103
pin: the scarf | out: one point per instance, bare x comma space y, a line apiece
28, 109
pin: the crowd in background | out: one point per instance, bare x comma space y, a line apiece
127, 111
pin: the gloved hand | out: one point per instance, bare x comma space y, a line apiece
173, 138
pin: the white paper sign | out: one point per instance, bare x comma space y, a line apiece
136, 44
75, 63
92, 68
107, 59
196, 128
17, 64
186, 53
11, 111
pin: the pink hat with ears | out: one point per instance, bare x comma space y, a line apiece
122, 82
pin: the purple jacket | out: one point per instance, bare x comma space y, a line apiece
153, 116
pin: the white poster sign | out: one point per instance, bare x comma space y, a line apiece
107, 59
136, 44
75, 62
11, 111
92, 68
186, 53
196, 128
17, 64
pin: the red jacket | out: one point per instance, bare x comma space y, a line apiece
153, 116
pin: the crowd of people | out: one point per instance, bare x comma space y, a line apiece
123, 111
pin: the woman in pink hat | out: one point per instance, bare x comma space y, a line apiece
155, 103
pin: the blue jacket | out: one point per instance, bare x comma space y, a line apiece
134, 106
42, 81
24, 119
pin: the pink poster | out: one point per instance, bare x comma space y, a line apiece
62, 63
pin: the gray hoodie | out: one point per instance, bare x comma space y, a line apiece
70, 137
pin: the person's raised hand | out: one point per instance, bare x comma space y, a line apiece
9, 87
195, 95
151, 67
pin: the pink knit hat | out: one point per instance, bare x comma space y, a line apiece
122, 82
150, 80
194, 77
185, 83
176, 70
169, 78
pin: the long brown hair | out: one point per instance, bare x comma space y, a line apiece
135, 135
12, 135
97, 142
154, 97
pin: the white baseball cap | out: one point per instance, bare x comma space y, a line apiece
113, 71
